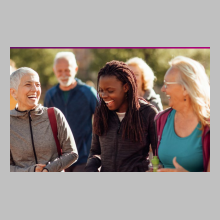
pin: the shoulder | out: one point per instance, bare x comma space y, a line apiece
147, 109
86, 89
163, 114
58, 112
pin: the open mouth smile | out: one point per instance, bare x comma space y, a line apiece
33, 97
108, 102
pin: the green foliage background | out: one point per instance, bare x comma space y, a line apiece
41, 60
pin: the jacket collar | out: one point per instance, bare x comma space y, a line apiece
37, 111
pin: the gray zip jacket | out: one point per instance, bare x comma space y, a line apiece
22, 158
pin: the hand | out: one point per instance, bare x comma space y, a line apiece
178, 168
45, 170
39, 167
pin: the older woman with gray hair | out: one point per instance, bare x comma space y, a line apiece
183, 130
33, 146
145, 81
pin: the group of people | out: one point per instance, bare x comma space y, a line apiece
114, 128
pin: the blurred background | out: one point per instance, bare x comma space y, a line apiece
90, 61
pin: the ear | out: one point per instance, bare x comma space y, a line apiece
76, 69
185, 93
13, 93
125, 87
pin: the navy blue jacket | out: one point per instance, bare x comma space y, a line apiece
78, 111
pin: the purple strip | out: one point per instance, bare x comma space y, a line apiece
109, 47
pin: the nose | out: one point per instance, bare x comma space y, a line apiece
103, 95
163, 89
63, 74
33, 87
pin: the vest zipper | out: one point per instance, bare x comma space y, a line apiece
29, 114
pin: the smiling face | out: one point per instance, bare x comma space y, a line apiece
113, 93
65, 72
175, 92
28, 93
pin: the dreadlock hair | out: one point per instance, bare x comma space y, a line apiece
132, 126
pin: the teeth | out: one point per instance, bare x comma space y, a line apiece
108, 101
31, 96
168, 96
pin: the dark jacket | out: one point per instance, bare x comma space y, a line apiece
114, 154
160, 121
153, 98
78, 111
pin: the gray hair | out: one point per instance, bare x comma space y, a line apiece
66, 55
16, 76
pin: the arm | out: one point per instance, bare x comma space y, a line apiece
178, 168
14, 168
93, 102
208, 168
34, 168
67, 143
151, 130
94, 159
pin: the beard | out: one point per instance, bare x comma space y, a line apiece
68, 80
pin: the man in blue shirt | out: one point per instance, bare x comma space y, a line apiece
77, 101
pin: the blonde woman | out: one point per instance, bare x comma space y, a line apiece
145, 81
183, 130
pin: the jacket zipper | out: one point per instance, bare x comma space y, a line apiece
116, 142
29, 114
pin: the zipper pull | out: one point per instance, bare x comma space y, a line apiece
29, 113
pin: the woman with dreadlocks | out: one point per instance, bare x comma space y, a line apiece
123, 126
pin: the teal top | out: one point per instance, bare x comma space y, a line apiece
188, 150
65, 95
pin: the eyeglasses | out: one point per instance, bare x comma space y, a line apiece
167, 83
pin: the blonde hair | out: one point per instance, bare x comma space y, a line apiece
195, 80
147, 72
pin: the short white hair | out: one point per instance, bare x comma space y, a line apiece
147, 72
15, 77
66, 55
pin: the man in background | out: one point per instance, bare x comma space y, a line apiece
77, 101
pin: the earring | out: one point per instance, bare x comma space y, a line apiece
184, 99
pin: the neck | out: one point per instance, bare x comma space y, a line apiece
23, 110
67, 88
186, 112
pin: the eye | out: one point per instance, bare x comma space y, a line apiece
110, 91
